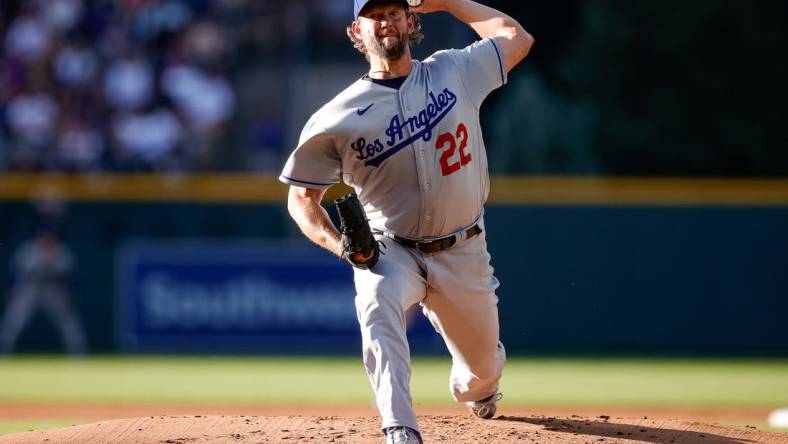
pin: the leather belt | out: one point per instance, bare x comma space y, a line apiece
436, 245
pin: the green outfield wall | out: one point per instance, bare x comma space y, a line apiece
586, 265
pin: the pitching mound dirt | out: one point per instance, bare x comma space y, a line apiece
449, 429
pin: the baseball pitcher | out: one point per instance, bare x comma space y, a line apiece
406, 136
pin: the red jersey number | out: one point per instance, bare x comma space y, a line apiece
448, 142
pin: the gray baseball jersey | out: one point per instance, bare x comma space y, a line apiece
415, 156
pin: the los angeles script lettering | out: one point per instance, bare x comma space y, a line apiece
365, 150
420, 125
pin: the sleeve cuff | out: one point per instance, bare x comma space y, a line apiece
305, 183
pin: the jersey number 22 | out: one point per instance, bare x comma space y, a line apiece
448, 141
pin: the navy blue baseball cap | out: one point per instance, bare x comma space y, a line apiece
358, 5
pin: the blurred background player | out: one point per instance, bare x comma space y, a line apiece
42, 270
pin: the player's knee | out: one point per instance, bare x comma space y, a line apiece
480, 373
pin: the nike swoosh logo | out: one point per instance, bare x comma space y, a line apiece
362, 111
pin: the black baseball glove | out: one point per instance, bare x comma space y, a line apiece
356, 234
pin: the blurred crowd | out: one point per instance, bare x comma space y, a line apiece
125, 85
152, 85
166, 85
191, 85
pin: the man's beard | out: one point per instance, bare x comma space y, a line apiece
375, 46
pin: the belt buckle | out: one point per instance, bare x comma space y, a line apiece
436, 245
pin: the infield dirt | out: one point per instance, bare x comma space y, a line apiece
191, 423
449, 429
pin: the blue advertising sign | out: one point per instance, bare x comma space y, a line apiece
278, 297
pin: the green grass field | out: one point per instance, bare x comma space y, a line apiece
342, 381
